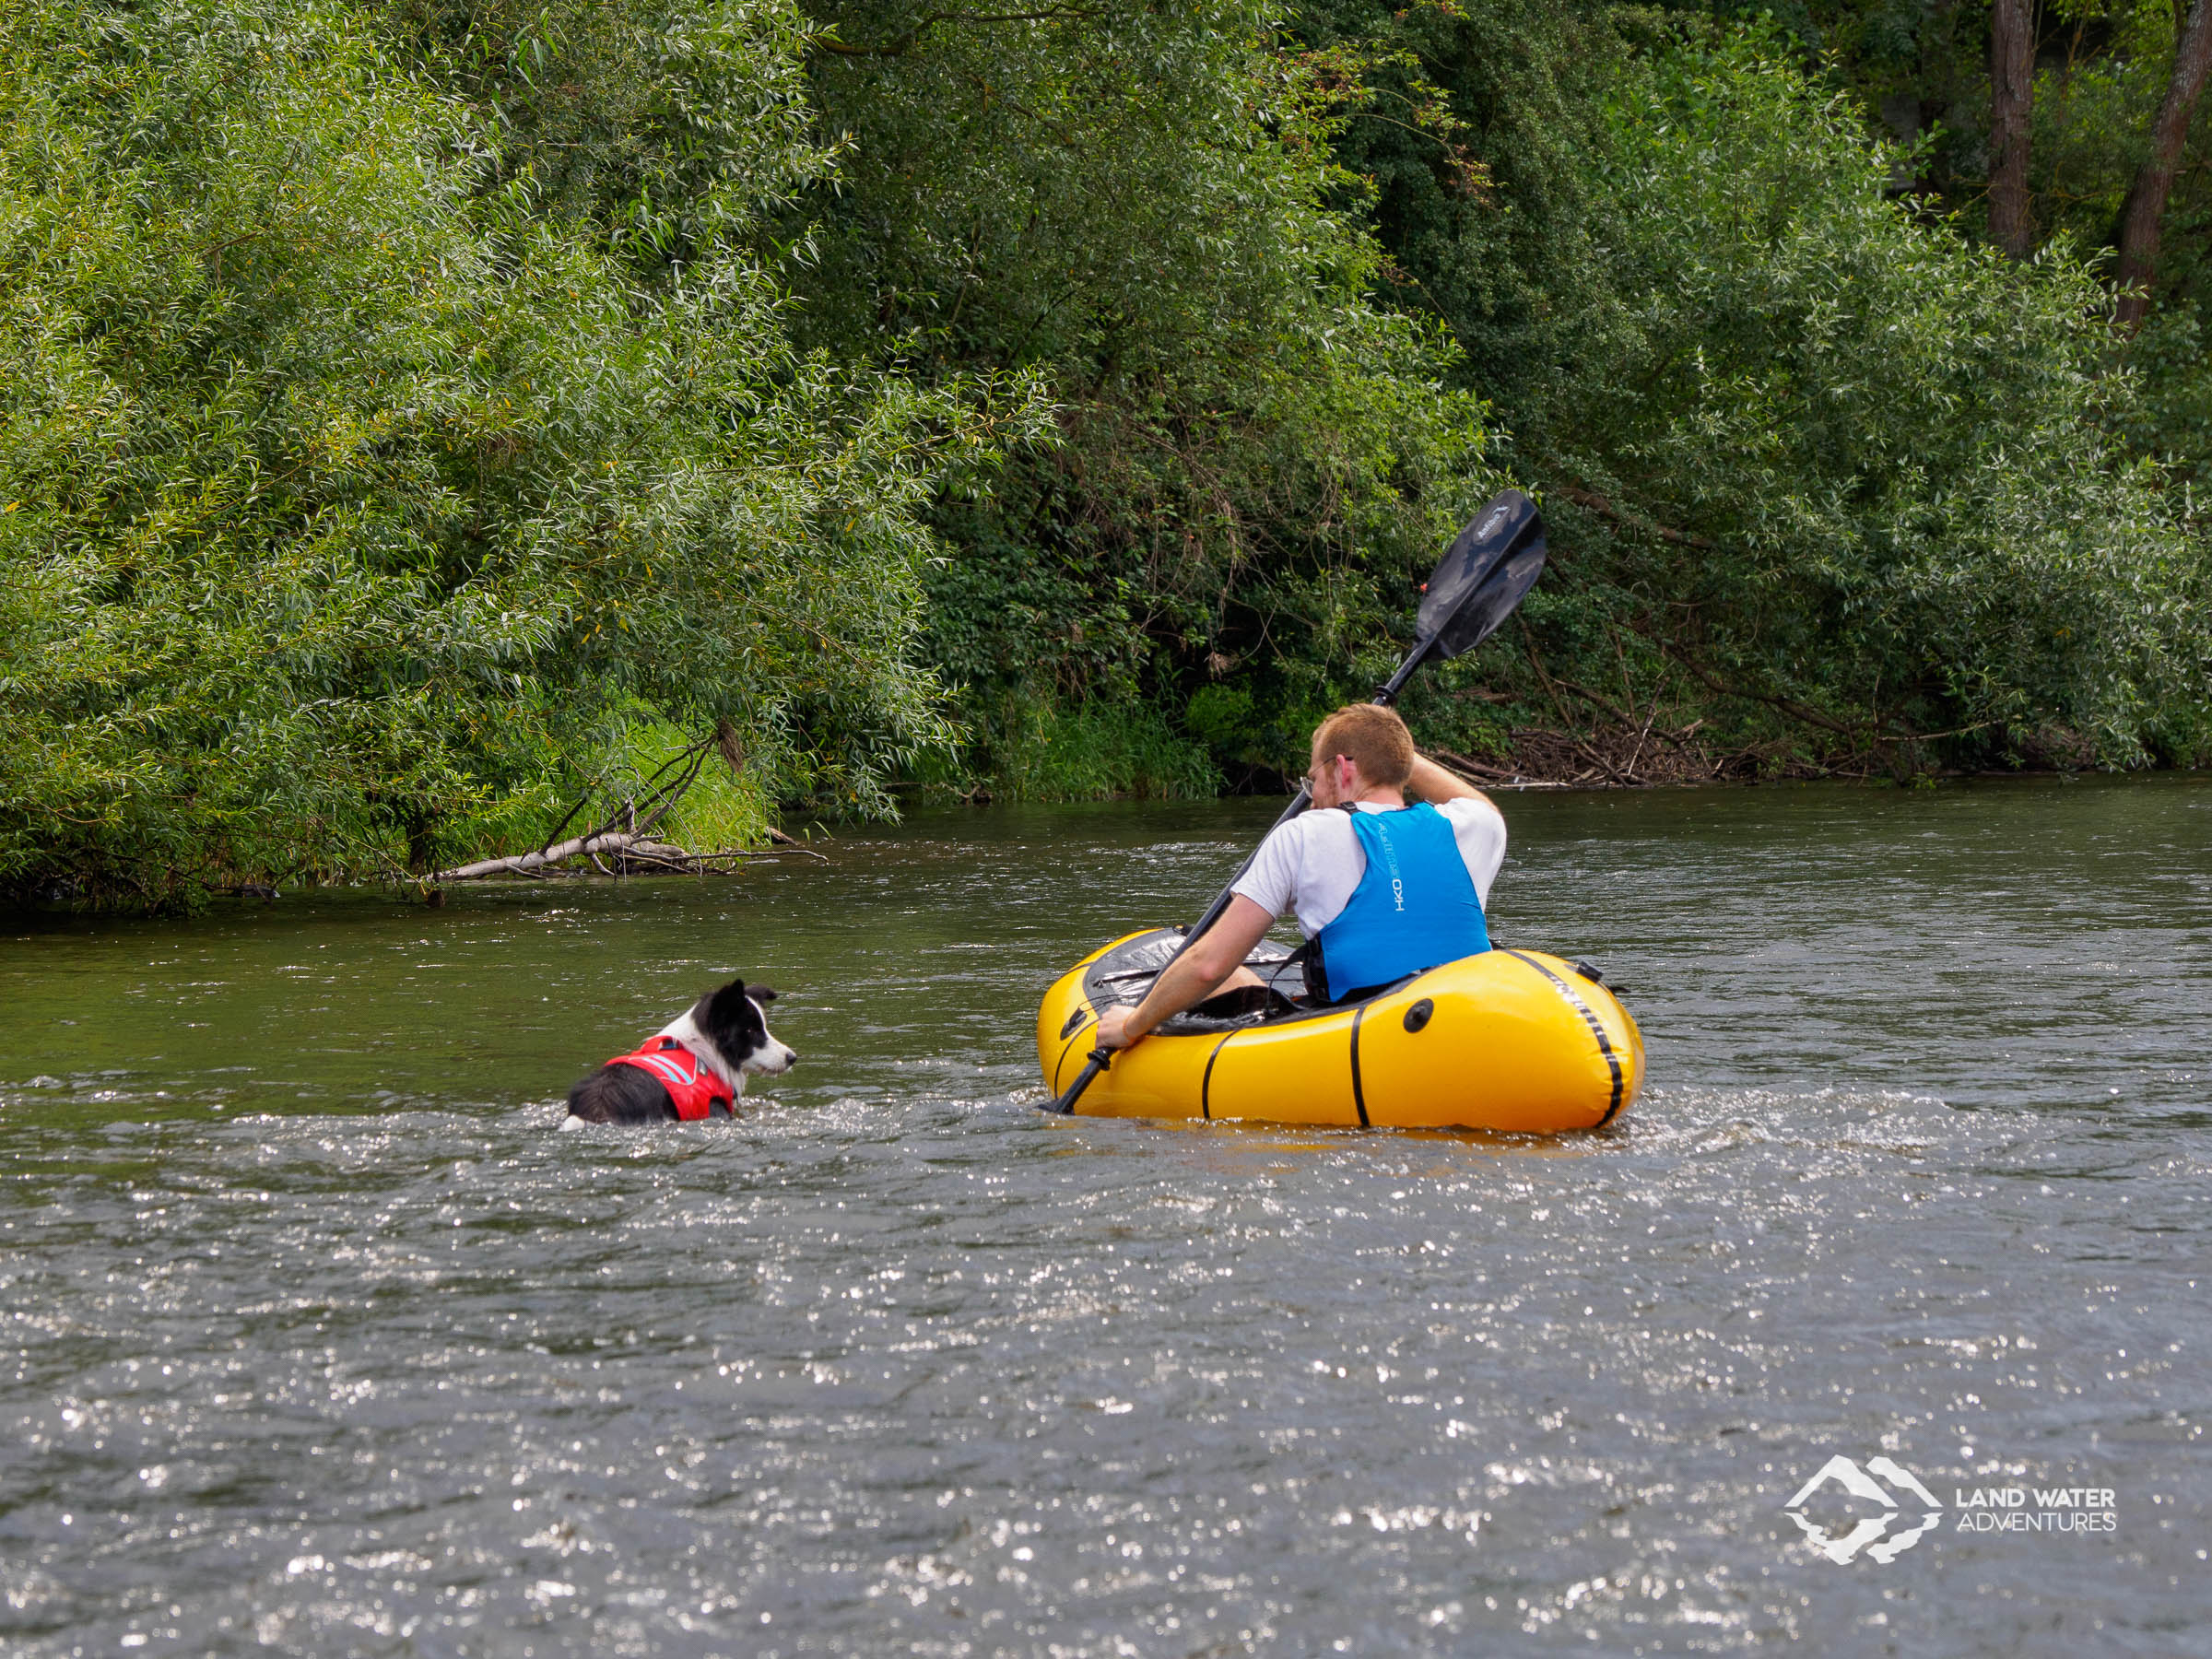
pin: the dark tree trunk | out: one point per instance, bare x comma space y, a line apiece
2011, 96
2154, 179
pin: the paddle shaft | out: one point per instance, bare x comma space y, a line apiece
1099, 1058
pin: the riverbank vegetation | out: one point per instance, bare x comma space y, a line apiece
422, 417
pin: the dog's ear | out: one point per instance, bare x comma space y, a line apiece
725, 1003
760, 993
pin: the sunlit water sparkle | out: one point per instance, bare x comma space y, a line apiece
322, 1341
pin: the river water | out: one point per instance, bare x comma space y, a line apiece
323, 1338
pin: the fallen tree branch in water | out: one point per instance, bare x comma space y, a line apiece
632, 855
582, 846
625, 835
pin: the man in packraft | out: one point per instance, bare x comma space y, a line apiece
1382, 889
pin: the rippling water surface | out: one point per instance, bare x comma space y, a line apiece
321, 1338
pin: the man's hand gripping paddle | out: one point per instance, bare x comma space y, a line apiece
1488, 571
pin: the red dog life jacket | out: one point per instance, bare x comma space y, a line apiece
694, 1089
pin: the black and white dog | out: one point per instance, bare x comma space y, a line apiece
694, 1064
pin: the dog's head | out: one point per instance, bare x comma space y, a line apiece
735, 1019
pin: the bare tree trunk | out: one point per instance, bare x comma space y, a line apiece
2154, 179
2011, 99
615, 841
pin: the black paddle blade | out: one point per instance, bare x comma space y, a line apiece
1494, 601
1501, 530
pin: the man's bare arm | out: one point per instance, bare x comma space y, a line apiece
1432, 783
1195, 975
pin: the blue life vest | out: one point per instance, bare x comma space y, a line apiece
1415, 908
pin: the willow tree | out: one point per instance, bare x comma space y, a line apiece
1254, 460
1827, 473
358, 492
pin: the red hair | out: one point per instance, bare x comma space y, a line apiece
1372, 738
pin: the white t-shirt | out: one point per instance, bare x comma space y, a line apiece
1313, 865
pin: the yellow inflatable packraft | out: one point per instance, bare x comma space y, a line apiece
1511, 1041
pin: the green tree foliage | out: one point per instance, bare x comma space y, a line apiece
1921, 74
1253, 461
1828, 480
1892, 438
364, 487
1820, 465
417, 413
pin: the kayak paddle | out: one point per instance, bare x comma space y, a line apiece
1491, 566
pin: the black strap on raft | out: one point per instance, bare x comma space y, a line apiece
1309, 963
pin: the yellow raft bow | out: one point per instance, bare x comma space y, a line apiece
1515, 1041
